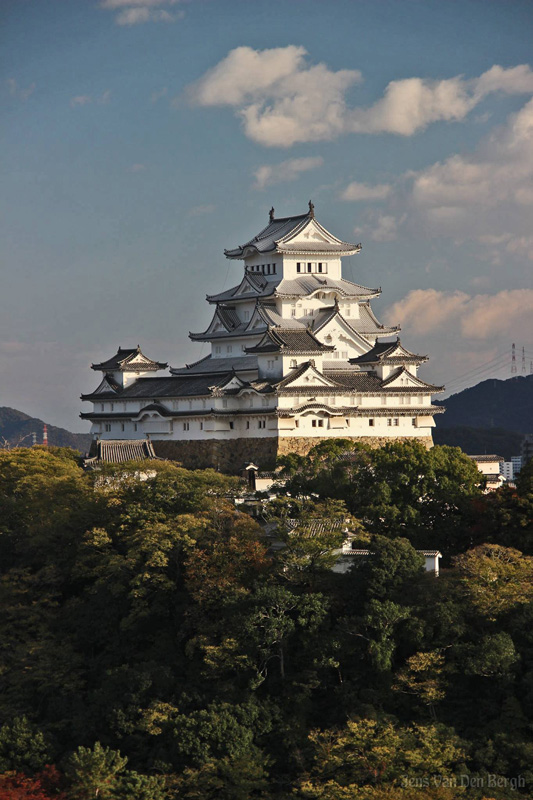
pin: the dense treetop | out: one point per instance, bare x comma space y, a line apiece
156, 646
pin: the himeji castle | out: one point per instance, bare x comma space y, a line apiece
296, 356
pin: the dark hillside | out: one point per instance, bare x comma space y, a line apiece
16, 428
477, 441
491, 404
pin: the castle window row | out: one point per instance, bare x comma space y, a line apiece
266, 269
311, 266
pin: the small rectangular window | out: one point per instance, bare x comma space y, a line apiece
274, 268
224, 404
309, 266
248, 424
201, 426
298, 267
297, 423
320, 423
319, 266
395, 421
122, 427
389, 422
371, 423
107, 427
229, 348
413, 421
134, 426
185, 426
313, 423
232, 425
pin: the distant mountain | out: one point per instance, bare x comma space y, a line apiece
16, 428
491, 404
480, 441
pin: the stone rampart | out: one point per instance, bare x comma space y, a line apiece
231, 455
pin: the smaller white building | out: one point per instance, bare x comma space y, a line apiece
348, 553
490, 468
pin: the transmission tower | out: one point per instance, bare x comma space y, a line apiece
513, 359
523, 360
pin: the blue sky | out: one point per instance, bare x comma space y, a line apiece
142, 137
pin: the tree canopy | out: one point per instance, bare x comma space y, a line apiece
158, 643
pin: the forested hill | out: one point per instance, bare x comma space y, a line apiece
491, 404
16, 429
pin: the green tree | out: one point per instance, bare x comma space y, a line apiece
495, 579
94, 772
275, 616
133, 785
399, 489
23, 747
378, 752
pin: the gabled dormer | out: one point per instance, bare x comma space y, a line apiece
127, 365
385, 358
291, 246
332, 328
107, 388
401, 378
306, 376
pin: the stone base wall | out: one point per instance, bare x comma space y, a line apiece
230, 456
225, 456
302, 444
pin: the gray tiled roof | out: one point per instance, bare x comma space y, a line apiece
487, 458
116, 451
358, 381
265, 241
307, 284
210, 366
277, 235
174, 386
380, 353
297, 287
271, 317
369, 324
120, 362
289, 340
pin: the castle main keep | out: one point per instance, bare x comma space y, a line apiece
296, 356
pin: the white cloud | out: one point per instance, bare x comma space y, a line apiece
484, 197
281, 99
362, 191
87, 99
137, 168
81, 100
278, 97
481, 316
384, 229
135, 12
21, 92
290, 170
